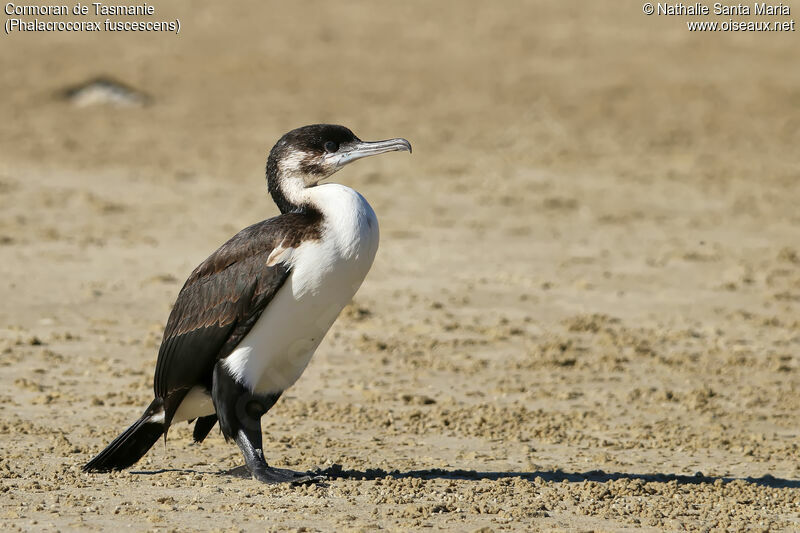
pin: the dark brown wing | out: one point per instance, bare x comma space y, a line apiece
221, 301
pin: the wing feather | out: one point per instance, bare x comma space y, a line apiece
221, 301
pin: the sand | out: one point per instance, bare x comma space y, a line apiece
584, 314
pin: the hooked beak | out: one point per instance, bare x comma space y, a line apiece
361, 149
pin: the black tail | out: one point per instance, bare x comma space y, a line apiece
129, 447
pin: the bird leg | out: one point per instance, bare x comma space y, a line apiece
239, 412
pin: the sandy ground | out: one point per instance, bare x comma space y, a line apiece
584, 315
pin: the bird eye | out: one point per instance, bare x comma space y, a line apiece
331, 147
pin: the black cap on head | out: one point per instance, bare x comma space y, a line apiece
317, 138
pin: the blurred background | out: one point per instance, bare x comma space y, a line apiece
591, 261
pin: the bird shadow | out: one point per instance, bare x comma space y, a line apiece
599, 476
336, 471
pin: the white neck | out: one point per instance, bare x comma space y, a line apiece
295, 191
347, 217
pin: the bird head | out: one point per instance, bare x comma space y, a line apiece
307, 155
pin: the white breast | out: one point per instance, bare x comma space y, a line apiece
325, 274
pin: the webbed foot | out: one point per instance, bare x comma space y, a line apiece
268, 474
239, 412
